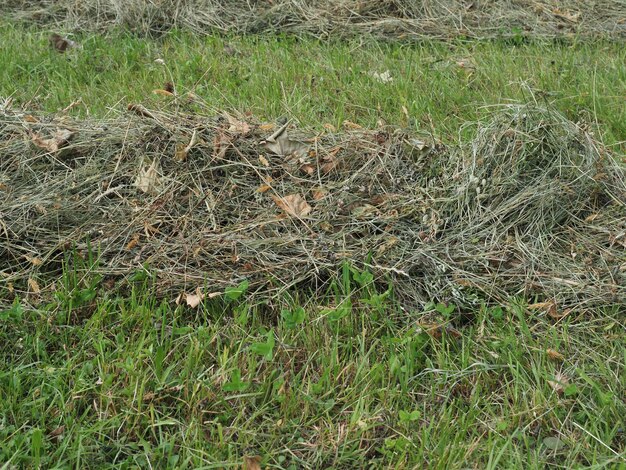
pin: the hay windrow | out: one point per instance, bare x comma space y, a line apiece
399, 19
532, 206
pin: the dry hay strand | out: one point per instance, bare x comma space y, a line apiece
533, 206
324, 18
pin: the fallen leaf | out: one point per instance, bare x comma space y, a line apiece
221, 143
162, 92
318, 194
555, 355
59, 139
308, 169
267, 127
351, 125
30, 118
194, 299
148, 180
280, 144
33, 260
567, 16
57, 432
559, 383
384, 77
263, 188
34, 286
294, 205
251, 462
133, 243
236, 126
182, 150
140, 110
264, 161
61, 44
330, 127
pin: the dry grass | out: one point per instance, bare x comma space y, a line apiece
532, 206
326, 18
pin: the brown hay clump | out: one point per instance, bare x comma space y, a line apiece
532, 206
400, 19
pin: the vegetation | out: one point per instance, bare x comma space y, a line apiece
102, 377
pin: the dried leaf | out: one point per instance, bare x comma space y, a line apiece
141, 110
34, 286
57, 432
567, 16
308, 169
555, 355
267, 127
59, 139
183, 150
148, 180
33, 260
194, 299
133, 243
251, 462
280, 144
294, 205
237, 127
351, 125
30, 118
221, 143
383, 77
559, 383
264, 161
263, 188
61, 44
318, 194
162, 92
330, 127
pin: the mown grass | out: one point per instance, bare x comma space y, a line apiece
321, 82
98, 379
102, 377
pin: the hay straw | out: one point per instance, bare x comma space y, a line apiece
532, 206
404, 19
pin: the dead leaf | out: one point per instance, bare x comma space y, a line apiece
141, 110
57, 432
263, 188
351, 125
221, 143
555, 355
133, 243
34, 286
182, 150
267, 127
264, 161
59, 139
194, 299
280, 144
567, 16
33, 260
330, 127
61, 44
294, 205
148, 180
551, 308
318, 194
559, 383
251, 463
383, 77
308, 169
162, 92
30, 118
236, 126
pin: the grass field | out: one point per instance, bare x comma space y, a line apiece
96, 378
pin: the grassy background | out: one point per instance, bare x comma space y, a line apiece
320, 82
97, 378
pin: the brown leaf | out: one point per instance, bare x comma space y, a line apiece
318, 194
34, 286
263, 188
294, 205
148, 180
61, 44
133, 243
33, 260
182, 150
30, 118
192, 300
162, 92
264, 161
237, 127
351, 125
559, 383
330, 127
59, 139
555, 355
141, 110
251, 463
57, 432
221, 143
308, 169
267, 127
280, 144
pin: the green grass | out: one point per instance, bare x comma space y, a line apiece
316, 83
96, 379
117, 378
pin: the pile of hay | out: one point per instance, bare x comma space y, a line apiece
325, 18
532, 206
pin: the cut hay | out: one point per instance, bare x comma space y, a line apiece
533, 206
400, 19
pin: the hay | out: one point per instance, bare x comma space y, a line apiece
330, 18
532, 206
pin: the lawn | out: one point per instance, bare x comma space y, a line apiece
95, 377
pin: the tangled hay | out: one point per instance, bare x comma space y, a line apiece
532, 206
325, 18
